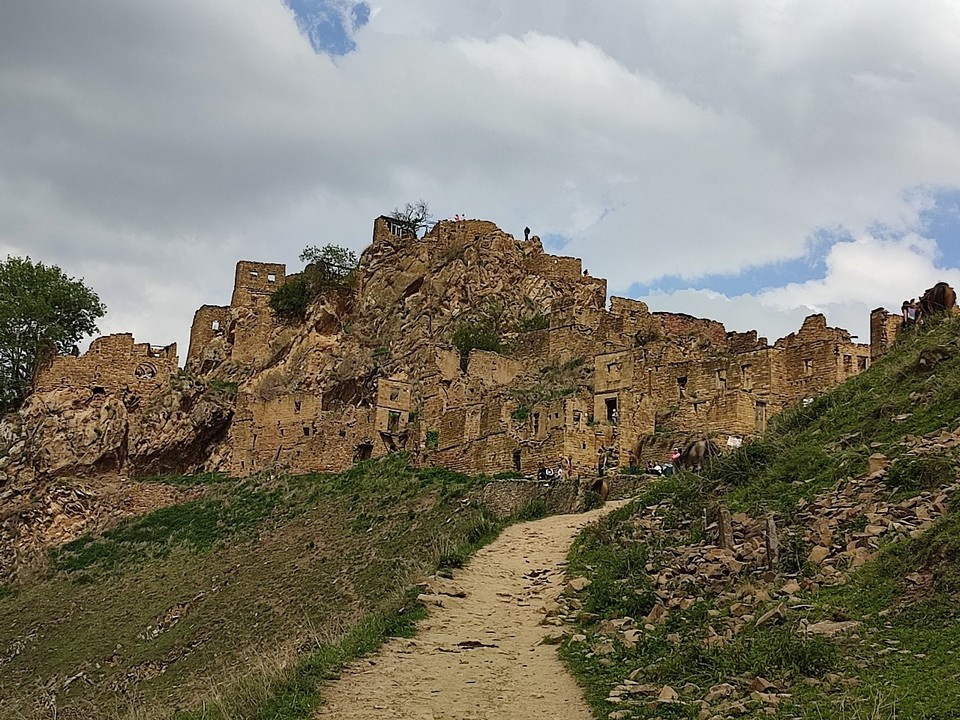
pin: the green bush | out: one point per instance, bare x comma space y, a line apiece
535, 322
290, 301
478, 335
521, 413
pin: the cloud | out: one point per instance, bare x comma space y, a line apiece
861, 274
148, 148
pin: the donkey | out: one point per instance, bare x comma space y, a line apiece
696, 454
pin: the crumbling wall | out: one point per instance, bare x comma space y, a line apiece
817, 358
493, 369
111, 365
254, 282
676, 325
210, 323
884, 327
553, 267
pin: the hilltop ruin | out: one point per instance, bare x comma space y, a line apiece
375, 370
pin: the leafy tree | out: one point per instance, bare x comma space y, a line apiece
42, 312
416, 215
330, 267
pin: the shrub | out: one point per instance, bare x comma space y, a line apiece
290, 301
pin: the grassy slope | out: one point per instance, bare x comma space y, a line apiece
903, 662
275, 582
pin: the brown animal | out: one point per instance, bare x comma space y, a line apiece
694, 455
940, 298
601, 487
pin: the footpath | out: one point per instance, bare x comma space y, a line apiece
479, 654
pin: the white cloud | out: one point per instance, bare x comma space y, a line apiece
148, 147
861, 274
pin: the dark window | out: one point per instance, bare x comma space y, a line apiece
363, 451
611, 405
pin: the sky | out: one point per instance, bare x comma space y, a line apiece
750, 161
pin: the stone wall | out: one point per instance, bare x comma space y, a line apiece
674, 325
508, 497
209, 322
553, 266
884, 328
818, 357
255, 281
113, 364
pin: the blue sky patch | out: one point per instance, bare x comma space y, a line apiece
942, 223
554, 243
329, 25
754, 279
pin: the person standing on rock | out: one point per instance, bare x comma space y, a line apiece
526, 234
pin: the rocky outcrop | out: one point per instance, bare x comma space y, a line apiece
73, 433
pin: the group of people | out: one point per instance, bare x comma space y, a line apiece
658, 469
910, 310
563, 470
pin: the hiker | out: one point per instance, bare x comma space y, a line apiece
632, 462
526, 234
601, 461
912, 312
541, 472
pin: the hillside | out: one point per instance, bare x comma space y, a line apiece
236, 599
813, 573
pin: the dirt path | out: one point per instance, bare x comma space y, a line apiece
478, 656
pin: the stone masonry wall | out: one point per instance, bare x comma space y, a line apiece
111, 365
884, 327
209, 322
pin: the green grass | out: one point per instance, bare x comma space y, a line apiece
259, 563
809, 448
199, 525
276, 581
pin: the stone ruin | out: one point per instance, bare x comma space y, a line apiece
374, 370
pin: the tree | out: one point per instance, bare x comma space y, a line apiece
416, 215
330, 268
42, 312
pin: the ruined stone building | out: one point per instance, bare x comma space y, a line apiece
380, 373
376, 369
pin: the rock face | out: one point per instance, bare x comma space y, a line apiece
71, 433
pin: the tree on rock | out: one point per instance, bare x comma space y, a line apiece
416, 215
42, 312
330, 268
